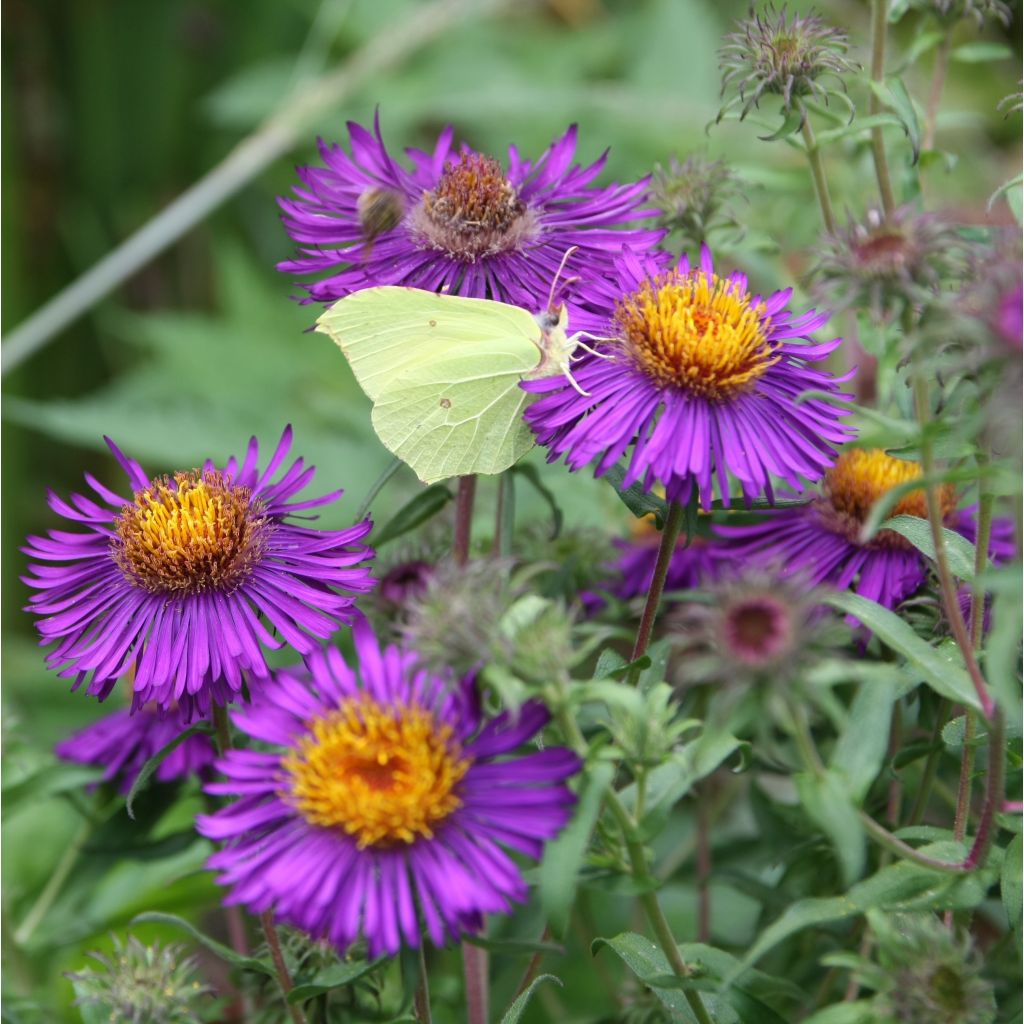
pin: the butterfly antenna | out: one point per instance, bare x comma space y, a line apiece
558, 274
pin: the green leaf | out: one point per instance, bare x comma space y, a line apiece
514, 947
1011, 886
335, 976
829, 804
959, 550
639, 502
246, 963
942, 674
862, 745
530, 474
563, 857
863, 1011
981, 52
792, 122
51, 779
861, 124
414, 513
903, 105
151, 765
515, 1011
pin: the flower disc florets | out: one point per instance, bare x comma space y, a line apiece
770, 54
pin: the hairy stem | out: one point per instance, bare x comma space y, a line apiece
463, 519
818, 174
280, 133
475, 970
669, 536
284, 979
879, 9
935, 93
421, 1001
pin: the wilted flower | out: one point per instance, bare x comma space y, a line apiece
387, 804
694, 197
822, 539
925, 973
181, 582
468, 226
142, 985
885, 264
700, 378
122, 742
771, 55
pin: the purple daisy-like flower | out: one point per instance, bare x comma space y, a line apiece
122, 742
455, 221
701, 378
185, 582
692, 563
388, 804
822, 539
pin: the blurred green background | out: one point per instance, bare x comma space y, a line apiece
114, 107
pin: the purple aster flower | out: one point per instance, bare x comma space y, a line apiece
691, 564
701, 378
466, 225
822, 540
387, 805
123, 742
186, 582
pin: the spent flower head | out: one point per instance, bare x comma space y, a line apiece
950, 12
771, 54
885, 264
142, 984
695, 198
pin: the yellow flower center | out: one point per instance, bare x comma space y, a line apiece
384, 775
861, 476
191, 535
473, 211
697, 333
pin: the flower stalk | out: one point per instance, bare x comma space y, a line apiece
284, 979
879, 10
818, 174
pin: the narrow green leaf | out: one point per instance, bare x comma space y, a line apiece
959, 550
1011, 885
563, 857
646, 961
944, 675
861, 749
639, 502
981, 52
903, 105
335, 976
791, 123
151, 765
530, 474
414, 513
862, 124
515, 1011
246, 963
829, 804
52, 779
378, 486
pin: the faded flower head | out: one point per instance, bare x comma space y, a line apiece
926, 973
770, 54
142, 984
949, 12
694, 198
995, 296
456, 220
886, 264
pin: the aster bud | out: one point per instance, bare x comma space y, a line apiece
887, 263
694, 198
950, 12
143, 985
771, 55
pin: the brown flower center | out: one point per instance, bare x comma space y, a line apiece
474, 211
195, 533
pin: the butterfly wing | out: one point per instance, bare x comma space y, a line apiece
459, 414
390, 331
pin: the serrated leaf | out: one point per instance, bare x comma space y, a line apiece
415, 512
960, 552
246, 963
943, 675
515, 1011
154, 762
563, 857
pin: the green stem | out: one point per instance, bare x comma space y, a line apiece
879, 10
947, 585
505, 515
463, 519
931, 764
222, 729
45, 900
284, 979
669, 536
935, 93
422, 998
818, 174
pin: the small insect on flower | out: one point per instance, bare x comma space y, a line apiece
823, 539
771, 55
183, 582
387, 804
443, 372
701, 378
456, 221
